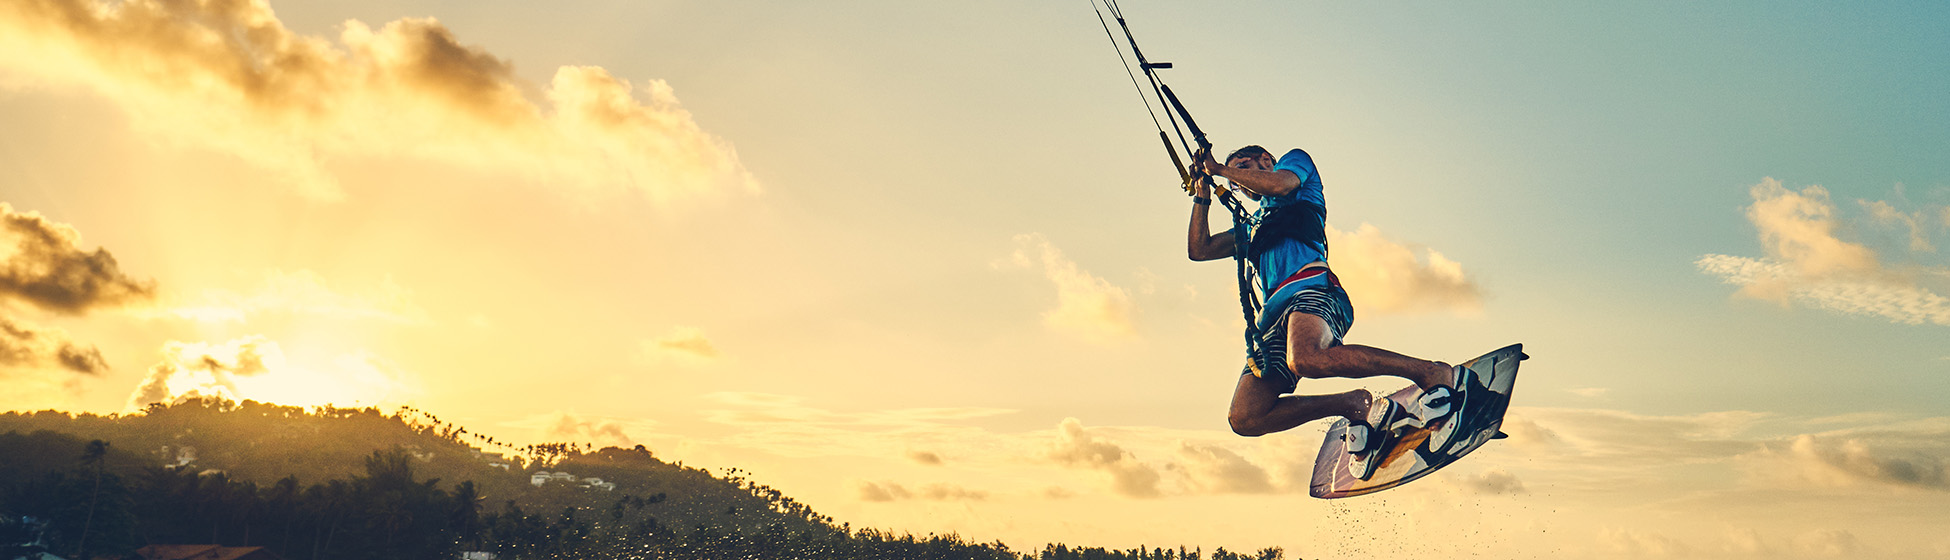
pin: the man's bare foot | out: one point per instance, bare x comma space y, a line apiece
1360, 401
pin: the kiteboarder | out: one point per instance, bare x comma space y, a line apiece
1306, 312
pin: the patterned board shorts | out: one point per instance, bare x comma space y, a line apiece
1327, 301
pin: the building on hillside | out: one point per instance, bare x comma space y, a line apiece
204, 552
543, 477
477, 556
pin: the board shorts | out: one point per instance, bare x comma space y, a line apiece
1315, 291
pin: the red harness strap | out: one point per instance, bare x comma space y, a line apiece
1309, 272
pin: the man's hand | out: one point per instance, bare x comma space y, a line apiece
1202, 161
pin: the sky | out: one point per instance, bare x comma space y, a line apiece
921, 265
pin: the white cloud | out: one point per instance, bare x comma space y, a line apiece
1383, 275
1807, 263
228, 76
1086, 304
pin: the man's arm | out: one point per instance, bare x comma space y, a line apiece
1271, 182
1200, 244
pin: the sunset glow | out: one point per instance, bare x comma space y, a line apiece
922, 266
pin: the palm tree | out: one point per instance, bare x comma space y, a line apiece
95, 455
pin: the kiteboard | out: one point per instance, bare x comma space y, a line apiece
1406, 454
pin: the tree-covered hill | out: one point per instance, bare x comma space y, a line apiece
263, 443
357, 483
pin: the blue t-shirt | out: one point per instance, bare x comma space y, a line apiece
1287, 256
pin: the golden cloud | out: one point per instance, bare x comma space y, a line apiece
42, 264
569, 427
27, 347
684, 343
228, 76
1077, 447
1086, 304
889, 491
1807, 262
204, 371
256, 368
1383, 275
1219, 470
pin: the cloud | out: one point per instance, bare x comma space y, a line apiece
1798, 228
1528, 433
880, 492
24, 347
1806, 262
256, 368
202, 370
1829, 543
1747, 542
1641, 543
304, 292
940, 492
929, 458
1385, 276
228, 76
1086, 305
568, 427
1884, 297
1077, 447
1916, 224
44, 266
1494, 481
1220, 470
1844, 459
1590, 392
786, 425
685, 344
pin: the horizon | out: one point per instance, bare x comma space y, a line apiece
923, 267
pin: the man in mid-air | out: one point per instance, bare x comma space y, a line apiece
1305, 313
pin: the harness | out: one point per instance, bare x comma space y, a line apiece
1303, 222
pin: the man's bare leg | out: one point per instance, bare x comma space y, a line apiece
1258, 409
1312, 354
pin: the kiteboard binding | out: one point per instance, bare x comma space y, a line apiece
1411, 432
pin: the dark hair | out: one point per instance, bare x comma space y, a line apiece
1248, 151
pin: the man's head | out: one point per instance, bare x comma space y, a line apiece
1250, 157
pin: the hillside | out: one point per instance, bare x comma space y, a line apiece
356, 483
263, 443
